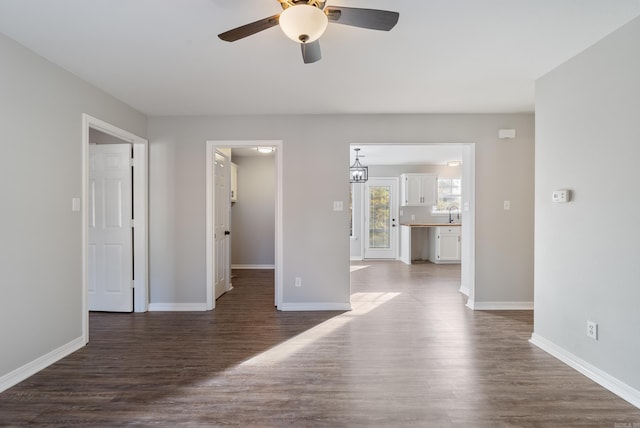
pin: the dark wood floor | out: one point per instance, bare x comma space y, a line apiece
409, 354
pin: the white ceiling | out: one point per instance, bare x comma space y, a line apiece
163, 57
406, 154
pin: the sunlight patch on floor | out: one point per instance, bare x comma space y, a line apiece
357, 267
361, 303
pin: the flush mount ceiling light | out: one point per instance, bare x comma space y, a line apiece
265, 149
454, 163
305, 21
357, 172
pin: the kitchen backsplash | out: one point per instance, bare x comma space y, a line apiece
423, 215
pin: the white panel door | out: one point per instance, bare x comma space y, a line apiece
221, 222
110, 235
381, 215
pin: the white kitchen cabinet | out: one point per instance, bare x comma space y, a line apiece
444, 244
418, 190
234, 182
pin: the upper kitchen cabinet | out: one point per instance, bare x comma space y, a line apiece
418, 190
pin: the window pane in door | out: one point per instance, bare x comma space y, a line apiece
379, 217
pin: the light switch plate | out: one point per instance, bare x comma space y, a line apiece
75, 204
338, 206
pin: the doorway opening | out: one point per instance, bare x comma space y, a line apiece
416, 162
220, 229
127, 261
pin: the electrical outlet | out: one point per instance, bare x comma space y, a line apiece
507, 205
298, 282
592, 330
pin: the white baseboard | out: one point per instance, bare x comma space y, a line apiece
29, 369
356, 258
602, 378
253, 267
500, 306
315, 307
464, 290
177, 307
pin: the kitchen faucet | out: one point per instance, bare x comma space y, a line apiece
450, 216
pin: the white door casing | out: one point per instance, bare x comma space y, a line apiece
222, 208
381, 221
110, 250
210, 212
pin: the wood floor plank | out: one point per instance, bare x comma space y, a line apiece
409, 354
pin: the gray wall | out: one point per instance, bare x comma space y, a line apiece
253, 216
588, 134
316, 157
41, 110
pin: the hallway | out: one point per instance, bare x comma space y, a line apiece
408, 354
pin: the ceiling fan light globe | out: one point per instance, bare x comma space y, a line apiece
303, 23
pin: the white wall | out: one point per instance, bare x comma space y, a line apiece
316, 158
253, 216
41, 109
587, 251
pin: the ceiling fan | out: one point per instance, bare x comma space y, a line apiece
304, 21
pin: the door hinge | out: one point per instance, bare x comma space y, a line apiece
133, 283
132, 162
133, 223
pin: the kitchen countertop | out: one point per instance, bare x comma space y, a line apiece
430, 224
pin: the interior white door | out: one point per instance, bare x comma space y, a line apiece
381, 215
221, 231
110, 252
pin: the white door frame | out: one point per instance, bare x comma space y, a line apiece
394, 239
140, 209
468, 208
468, 268
212, 145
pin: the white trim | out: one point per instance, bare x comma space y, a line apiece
140, 231
177, 307
21, 373
356, 258
211, 303
602, 378
468, 256
140, 148
502, 306
211, 146
315, 306
464, 290
253, 266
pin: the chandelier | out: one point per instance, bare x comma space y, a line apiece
357, 172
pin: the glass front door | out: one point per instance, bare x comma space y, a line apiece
381, 224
